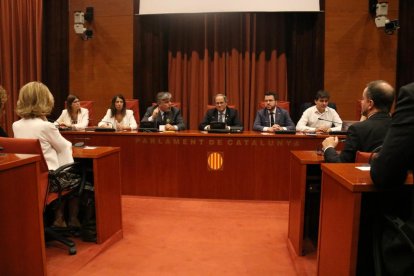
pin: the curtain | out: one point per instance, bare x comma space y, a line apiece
20, 50
239, 54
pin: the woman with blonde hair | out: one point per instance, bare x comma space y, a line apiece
118, 116
34, 104
74, 115
3, 100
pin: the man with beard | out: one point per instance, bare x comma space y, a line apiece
272, 117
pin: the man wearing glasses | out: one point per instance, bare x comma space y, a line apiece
221, 113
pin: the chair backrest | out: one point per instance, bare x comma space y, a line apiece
30, 146
174, 104
282, 104
24, 146
306, 105
210, 106
363, 157
89, 106
133, 104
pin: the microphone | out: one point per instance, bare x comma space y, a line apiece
112, 125
322, 119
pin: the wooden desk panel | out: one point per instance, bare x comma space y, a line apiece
107, 178
21, 231
298, 183
255, 166
344, 189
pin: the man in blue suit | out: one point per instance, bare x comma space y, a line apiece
272, 118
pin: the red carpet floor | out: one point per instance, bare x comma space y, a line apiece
168, 236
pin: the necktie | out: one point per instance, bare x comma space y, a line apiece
221, 117
272, 119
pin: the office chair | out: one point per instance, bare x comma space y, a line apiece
210, 106
282, 104
174, 104
364, 157
133, 104
306, 105
89, 106
32, 146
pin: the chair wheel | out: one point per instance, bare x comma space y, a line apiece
72, 250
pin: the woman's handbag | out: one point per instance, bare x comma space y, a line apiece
65, 178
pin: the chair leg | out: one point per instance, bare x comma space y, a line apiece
51, 234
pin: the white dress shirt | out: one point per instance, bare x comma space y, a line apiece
127, 121
310, 119
82, 120
56, 149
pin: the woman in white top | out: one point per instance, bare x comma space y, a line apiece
34, 104
74, 115
118, 116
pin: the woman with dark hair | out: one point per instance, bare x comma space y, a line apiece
118, 116
3, 100
74, 115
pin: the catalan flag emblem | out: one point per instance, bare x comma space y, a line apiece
215, 161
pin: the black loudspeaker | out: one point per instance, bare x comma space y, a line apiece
89, 14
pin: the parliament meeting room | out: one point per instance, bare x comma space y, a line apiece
182, 137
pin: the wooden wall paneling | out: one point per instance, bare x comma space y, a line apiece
305, 59
405, 55
102, 66
150, 57
356, 52
55, 51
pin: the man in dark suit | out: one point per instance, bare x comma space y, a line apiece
390, 166
272, 118
163, 114
222, 113
366, 136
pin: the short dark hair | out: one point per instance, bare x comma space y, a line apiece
113, 109
381, 93
271, 93
321, 94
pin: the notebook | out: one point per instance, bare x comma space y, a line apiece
344, 129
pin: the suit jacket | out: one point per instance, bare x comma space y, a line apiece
282, 118
128, 120
173, 117
232, 118
56, 149
362, 136
82, 119
396, 157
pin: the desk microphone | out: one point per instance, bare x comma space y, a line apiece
112, 125
322, 119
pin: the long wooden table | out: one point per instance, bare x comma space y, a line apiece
21, 231
195, 164
349, 201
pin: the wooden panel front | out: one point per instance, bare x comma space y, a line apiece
255, 166
107, 179
338, 229
21, 233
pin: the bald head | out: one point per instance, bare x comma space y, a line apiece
381, 93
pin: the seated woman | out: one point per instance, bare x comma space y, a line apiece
74, 115
118, 116
3, 100
34, 104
